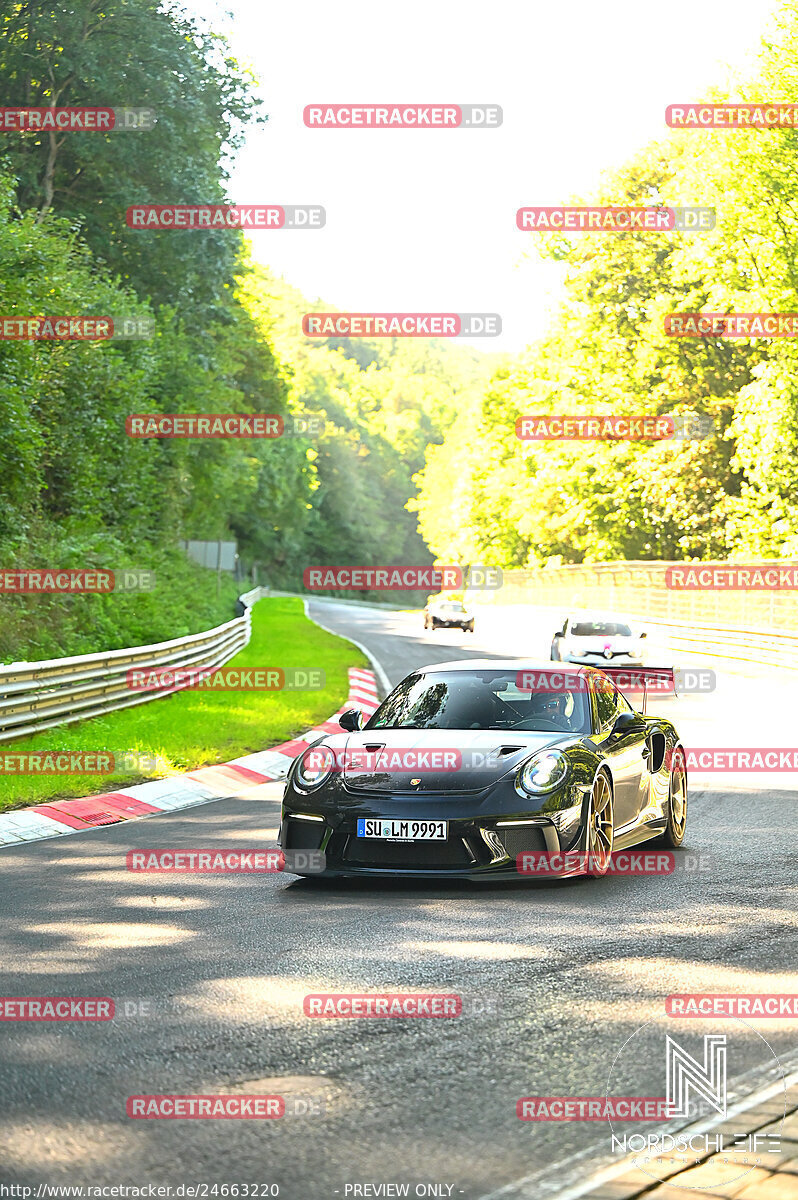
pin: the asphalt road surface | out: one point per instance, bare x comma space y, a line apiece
208, 974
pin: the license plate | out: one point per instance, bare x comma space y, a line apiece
402, 831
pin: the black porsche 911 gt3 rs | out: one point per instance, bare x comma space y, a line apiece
468, 765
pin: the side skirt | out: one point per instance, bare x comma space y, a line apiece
634, 834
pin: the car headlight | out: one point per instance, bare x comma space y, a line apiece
314, 767
543, 772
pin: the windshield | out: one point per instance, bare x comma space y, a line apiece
486, 700
451, 607
600, 629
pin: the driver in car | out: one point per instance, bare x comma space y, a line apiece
555, 707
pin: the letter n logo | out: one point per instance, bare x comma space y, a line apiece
684, 1073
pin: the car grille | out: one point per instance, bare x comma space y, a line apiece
372, 852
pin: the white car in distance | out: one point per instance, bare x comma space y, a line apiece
595, 640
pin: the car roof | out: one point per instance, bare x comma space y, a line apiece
503, 664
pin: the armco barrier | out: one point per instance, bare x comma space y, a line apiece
739, 645
640, 588
240, 777
746, 626
57, 691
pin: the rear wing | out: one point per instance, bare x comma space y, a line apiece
637, 683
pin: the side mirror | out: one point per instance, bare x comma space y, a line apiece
623, 723
351, 720
642, 635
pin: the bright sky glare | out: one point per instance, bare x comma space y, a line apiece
424, 221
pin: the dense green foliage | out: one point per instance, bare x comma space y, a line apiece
141, 54
384, 402
74, 489
184, 600
487, 495
418, 454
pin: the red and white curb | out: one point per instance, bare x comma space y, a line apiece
180, 791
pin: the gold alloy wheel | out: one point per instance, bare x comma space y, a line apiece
600, 826
678, 801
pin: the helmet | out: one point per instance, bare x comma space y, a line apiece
550, 704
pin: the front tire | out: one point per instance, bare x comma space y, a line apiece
555, 651
600, 827
677, 803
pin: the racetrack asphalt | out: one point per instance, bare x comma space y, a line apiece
208, 974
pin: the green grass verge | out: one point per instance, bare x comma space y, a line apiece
193, 728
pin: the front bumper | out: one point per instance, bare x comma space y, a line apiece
475, 848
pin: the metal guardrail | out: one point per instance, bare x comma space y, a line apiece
640, 589
57, 691
758, 627
740, 645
